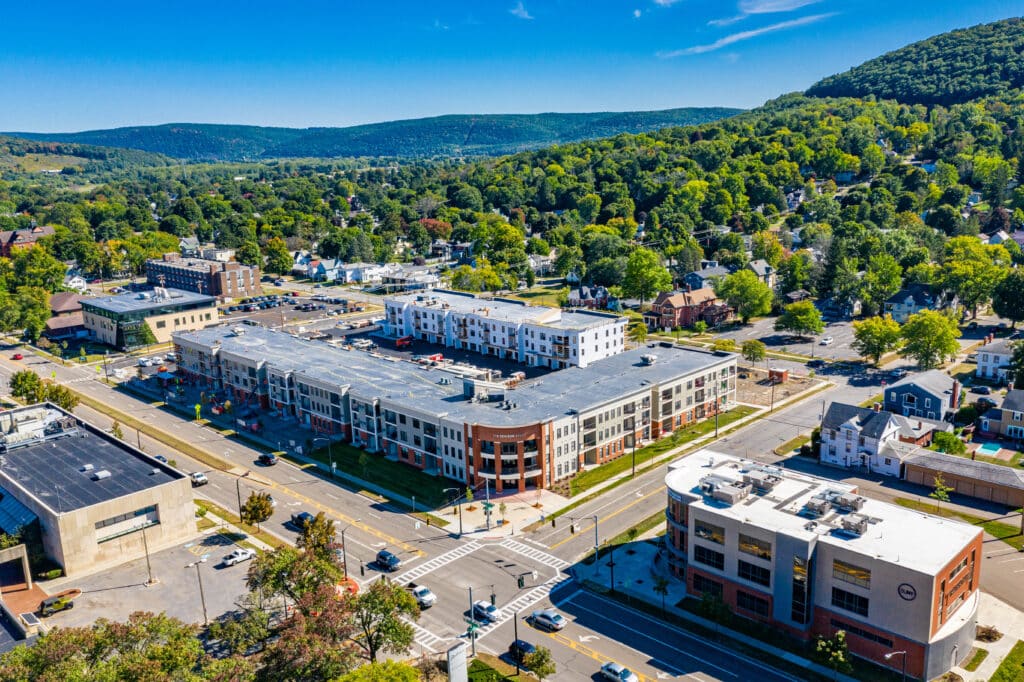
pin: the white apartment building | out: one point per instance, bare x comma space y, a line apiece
505, 328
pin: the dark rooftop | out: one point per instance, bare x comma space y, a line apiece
59, 460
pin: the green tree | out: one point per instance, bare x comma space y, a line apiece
61, 396
637, 332
972, 270
1008, 297
754, 351
766, 245
699, 327
940, 492
291, 573
317, 536
388, 671
146, 336
873, 337
257, 509
248, 253
379, 614
277, 255
37, 268
834, 652
115, 431
800, 318
243, 630
540, 663
747, 294
25, 385
588, 206
950, 443
929, 337
661, 588
645, 276
882, 279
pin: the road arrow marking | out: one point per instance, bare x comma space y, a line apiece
586, 638
664, 676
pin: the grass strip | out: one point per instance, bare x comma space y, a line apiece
1010, 534
233, 519
976, 659
488, 668
1012, 667
792, 444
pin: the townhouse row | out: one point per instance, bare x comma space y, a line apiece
514, 434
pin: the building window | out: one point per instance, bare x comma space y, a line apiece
755, 547
710, 532
959, 567
709, 557
752, 604
862, 633
707, 586
848, 601
798, 611
848, 573
161, 324
755, 574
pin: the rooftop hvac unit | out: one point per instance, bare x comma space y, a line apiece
86, 467
855, 524
849, 502
761, 480
816, 505
649, 359
730, 494
101, 475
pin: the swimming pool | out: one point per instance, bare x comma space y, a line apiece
989, 449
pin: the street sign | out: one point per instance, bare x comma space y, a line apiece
488, 506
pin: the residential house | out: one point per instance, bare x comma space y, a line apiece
189, 247
365, 273
839, 308
706, 276
930, 394
410, 278
324, 269
66, 319
872, 439
76, 283
586, 296
995, 238
1007, 420
912, 299
441, 248
994, 360
765, 272
684, 308
22, 238
216, 254
300, 263
797, 296
541, 265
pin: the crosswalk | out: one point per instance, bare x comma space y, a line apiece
523, 602
535, 554
436, 563
427, 640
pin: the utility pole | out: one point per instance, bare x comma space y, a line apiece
611, 566
515, 636
238, 493
596, 545
199, 577
472, 617
149, 566
716, 407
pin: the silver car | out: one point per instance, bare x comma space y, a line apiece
549, 619
618, 673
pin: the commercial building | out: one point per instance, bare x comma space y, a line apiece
214, 278
810, 557
119, 321
506, 328
459, 422
93, 495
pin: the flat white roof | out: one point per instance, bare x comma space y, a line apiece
894, 534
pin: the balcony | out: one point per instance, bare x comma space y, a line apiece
673, 522
530, 473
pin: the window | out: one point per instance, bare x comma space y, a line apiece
756, 547
959, 567
708, 557
755, 574
848, 601
862, 633
752, 604
707, 586
848, 573
798, 610
709, 532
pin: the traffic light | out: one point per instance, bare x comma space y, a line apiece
492, 599
521, 580
552, 521
572, 528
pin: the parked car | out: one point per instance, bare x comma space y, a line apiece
618, 673
985, 403
238, 556
424, 597
387, 561
548, 619
17, 356
485, 612
898, 373
518, 650
826, 341
815, 363
267, 459
973, 325
301, 519
198, 479
53, 605
160, 458
145, 362
981, 390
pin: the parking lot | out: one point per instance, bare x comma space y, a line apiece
763, 330
116, 593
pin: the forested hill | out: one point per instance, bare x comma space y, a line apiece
946, 69
456, 135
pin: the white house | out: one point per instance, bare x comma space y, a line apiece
76, 283
300, 263
365, 273
994, 360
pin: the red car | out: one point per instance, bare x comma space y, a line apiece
17, 356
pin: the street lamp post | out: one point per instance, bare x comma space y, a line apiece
889, 656
202, 596
330, 453
458, 506
106, 372
149, 566
238, 492
344, 551
596, 545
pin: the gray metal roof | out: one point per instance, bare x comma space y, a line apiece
433, 390
968, 468
1000, 347
934, 381
55, 470
870, 423
1014, 401
142, 301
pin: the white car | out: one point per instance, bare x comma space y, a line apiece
618, 673
826, 341
198, 479
548, 619
424, 597
238, 556
485, 611
145, 362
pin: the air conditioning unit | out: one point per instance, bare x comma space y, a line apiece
855, 524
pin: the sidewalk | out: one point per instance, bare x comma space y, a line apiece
1008, 621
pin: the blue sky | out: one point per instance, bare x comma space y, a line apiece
68, 66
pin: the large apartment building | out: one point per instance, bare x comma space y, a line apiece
810, 556
506, 328
458, 423
210, 277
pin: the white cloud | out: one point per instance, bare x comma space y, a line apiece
637, 13
665, 3
745, 35
725, 21
520, 11
773, 6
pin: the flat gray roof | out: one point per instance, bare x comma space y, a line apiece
508, 310
54, 468
434, 390
136, 301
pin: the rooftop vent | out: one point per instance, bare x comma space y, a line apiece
724, 490
816, 506
761, 480
101, 475
86, 468
855, 524
849, 502
649, 359
154, 471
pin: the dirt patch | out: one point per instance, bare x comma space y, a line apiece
754, 388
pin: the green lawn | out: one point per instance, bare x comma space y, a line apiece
1007, 532
792, 444
400, 478
549, 296
977, 658
591, 477
1012, 667
479, 671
